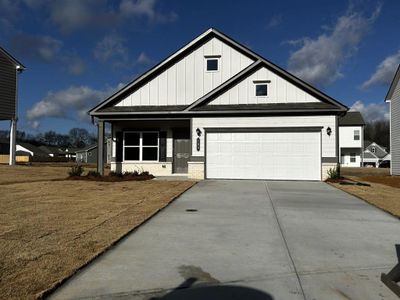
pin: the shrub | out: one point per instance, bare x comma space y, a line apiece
115, 174
334, 173
76, 170
144, 173
93, 174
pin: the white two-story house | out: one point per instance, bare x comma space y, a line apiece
351, 139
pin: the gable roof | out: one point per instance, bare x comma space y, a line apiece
393, 85
380, 151
12, 59
369, 154
197, 42
351, 118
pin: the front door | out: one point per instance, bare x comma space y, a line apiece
181, 150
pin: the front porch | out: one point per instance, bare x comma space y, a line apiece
161, 147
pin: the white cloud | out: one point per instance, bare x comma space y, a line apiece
72, 102
143, 59
35, 47
319, 61
74, 64
275, 21
112, 49
384, 72
372, 111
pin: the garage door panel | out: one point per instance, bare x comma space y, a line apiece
264, 155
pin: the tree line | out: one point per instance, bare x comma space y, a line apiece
76, 138
378, 132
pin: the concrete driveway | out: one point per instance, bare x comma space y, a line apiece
250, 240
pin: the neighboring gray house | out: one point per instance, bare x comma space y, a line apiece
374, 154
216, 109
393, 98
9, 69
89, 155
351, 139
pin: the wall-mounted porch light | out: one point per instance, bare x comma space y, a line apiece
329, 131
198, 131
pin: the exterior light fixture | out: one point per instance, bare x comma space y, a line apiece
329, 131
198, 131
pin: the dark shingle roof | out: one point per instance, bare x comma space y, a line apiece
352, 118
36, 150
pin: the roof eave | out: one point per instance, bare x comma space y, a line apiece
393, 85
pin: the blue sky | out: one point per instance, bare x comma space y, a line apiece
77, 52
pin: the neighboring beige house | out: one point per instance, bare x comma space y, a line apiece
393, 98
216, 109
351, 139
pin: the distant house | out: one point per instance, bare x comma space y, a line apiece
53, 151
23, 148
89, 155
374, 154
393, 98
9, 69
351, 139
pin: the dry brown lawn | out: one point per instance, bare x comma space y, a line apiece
383, 193
49, 229
364, 171
35, 172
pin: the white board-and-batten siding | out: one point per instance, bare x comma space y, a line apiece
328, 143
187, 80
395, 130
279, 91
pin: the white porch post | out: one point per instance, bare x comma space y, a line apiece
100, 147
13, 133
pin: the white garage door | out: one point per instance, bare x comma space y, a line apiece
264, 155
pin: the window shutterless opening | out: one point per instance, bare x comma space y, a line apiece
356, 135
261, 89
141, 146
212, 63
352, 157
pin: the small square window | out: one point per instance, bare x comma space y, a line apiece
261, 90
212, 64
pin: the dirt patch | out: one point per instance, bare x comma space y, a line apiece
49, 229
380, 195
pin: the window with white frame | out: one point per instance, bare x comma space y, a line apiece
357, 135
212, 63
352, 157
141, 146
373, 149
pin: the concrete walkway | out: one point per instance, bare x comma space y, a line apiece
249, 240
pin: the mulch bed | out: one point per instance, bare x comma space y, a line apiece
113, 178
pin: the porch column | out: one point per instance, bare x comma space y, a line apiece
13, 133
100, 147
